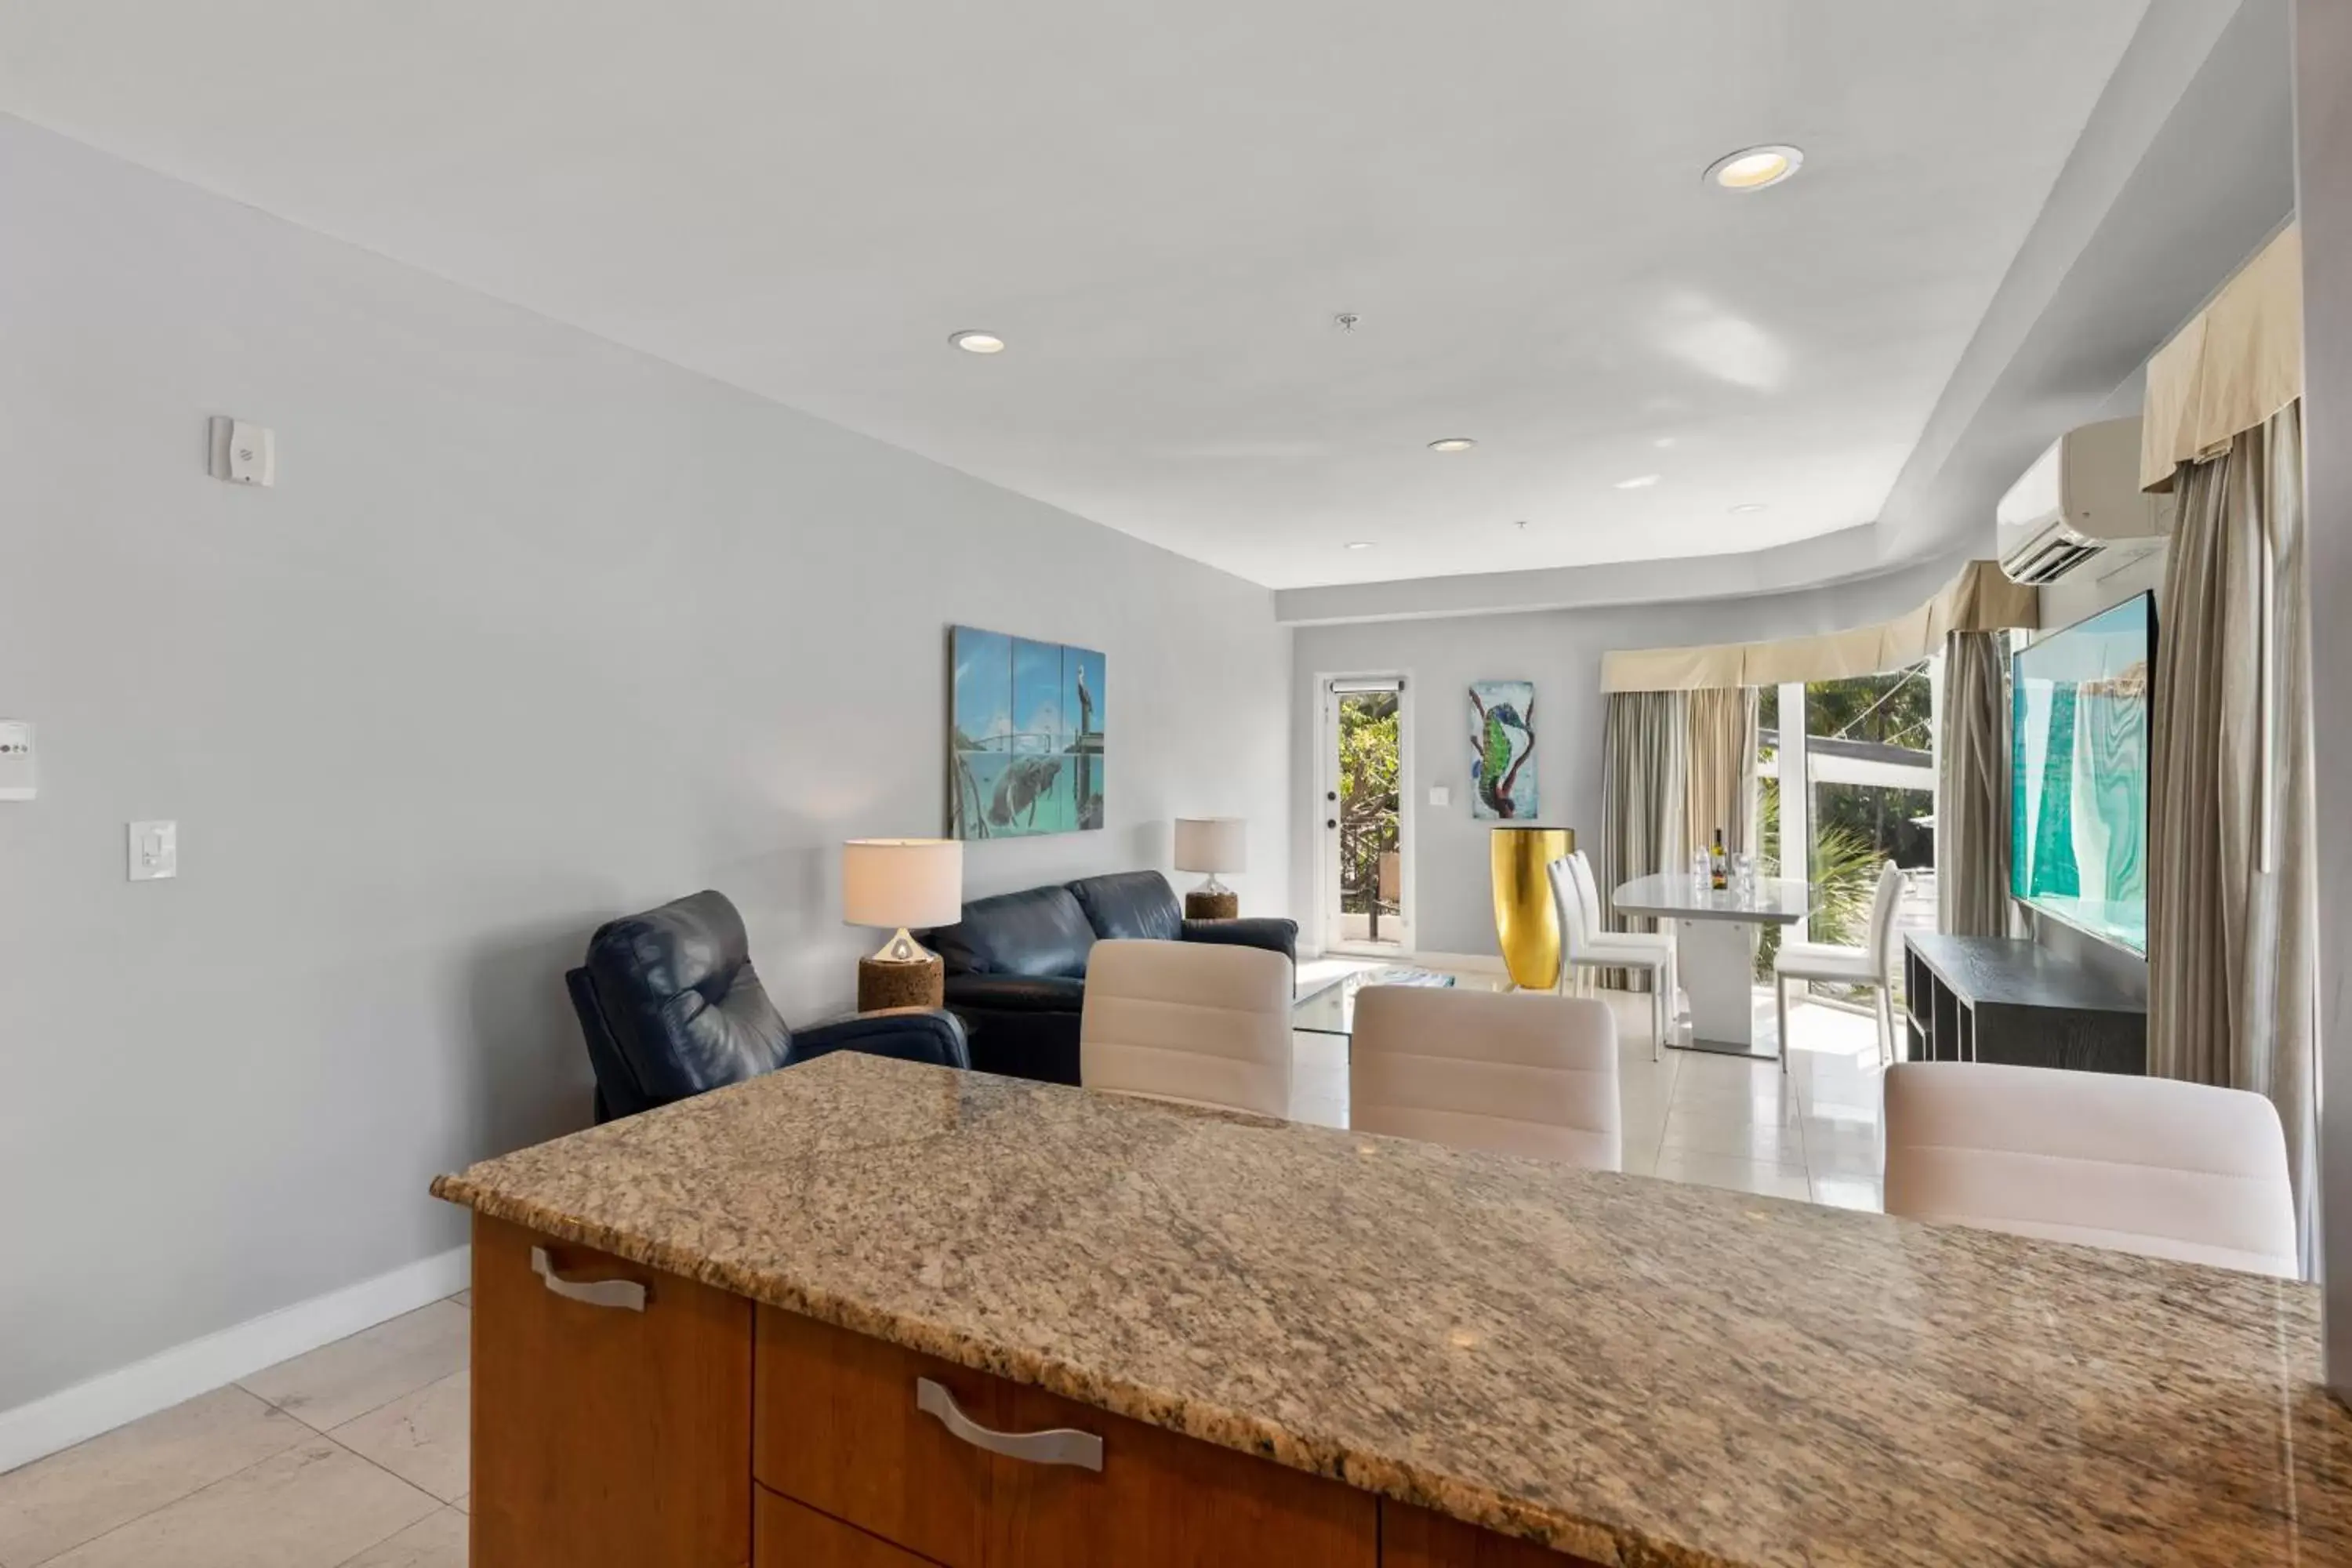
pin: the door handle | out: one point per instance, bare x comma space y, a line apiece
1058, 1446
626, 1294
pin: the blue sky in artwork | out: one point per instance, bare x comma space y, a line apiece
984, 684
1037, 697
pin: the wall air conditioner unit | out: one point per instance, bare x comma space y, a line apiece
2080, 498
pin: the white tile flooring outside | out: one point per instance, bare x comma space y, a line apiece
355, 1455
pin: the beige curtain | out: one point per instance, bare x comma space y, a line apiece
2231, 913
1972, 792
1720, 772
1645, 758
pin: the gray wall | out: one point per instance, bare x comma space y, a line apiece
1561, 652
2324, 155
533, 631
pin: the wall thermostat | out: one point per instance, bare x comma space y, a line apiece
16, 780
244, 453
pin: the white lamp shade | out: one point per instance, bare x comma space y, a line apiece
1211, 844
895, 882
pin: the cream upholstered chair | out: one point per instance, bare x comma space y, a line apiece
1203, 1023
1867, 965
2183, 1170
1508, 1073
1585, 947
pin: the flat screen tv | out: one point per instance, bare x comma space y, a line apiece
2078, 767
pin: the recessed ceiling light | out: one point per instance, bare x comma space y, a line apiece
1744, 507
1754, 168
1452, 444
1359, 544
1638, 482
978, 342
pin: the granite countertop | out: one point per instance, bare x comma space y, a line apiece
1636, 1371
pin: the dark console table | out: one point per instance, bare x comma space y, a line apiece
2003, 999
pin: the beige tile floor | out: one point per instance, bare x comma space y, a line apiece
354, 1455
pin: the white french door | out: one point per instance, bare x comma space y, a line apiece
1363, 789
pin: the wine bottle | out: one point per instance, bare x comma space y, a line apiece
1718, 864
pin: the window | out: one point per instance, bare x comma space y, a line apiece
1867, 745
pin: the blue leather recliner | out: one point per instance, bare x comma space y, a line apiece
672, 1008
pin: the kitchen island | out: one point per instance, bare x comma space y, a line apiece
1301, 1345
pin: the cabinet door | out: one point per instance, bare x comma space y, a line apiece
1416, 1538
1161, 1501
602, 1434
837, 1429
786, 1535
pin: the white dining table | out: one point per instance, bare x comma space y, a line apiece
1715, 949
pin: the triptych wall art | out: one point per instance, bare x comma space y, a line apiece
1025, 726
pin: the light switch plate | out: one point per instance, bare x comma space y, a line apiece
1440, 796
16, 777
153, 850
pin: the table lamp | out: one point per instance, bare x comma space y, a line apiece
1211, 844
899, 883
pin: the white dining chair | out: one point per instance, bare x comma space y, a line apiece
1596, 922
1585, 948
1198, 1023
1505, 1073
2150, 1165
1866, 966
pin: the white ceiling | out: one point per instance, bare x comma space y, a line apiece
1161, 204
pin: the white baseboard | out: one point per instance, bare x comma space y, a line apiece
105, 1402
1470, 962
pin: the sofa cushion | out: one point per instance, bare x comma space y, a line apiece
1018, 993
1131, 905
1039, 931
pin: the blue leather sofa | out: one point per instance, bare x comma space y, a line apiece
671, 1007
1016, 964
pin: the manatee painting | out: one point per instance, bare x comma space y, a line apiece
1025, 736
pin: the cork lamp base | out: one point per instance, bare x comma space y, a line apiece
882, 984
1201, 906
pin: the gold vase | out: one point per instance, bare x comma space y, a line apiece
1524, 918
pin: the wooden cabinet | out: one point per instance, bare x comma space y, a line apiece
1164, 1500
1415, 1538
837, 1427
626, 1418
786, 1535
603, 1434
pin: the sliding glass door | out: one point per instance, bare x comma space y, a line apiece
1847, 780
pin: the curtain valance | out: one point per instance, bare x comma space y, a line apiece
1978, 600
2238, 361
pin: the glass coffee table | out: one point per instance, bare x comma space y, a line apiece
1332, 1009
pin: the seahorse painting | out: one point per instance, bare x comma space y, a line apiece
1503, 749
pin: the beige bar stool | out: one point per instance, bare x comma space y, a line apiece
1199, 1023
2174, 1169
1505, 1073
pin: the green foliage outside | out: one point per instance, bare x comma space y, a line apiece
1368, 774
1855, 828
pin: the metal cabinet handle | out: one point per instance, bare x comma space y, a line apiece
626, 1294
1061, 1446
